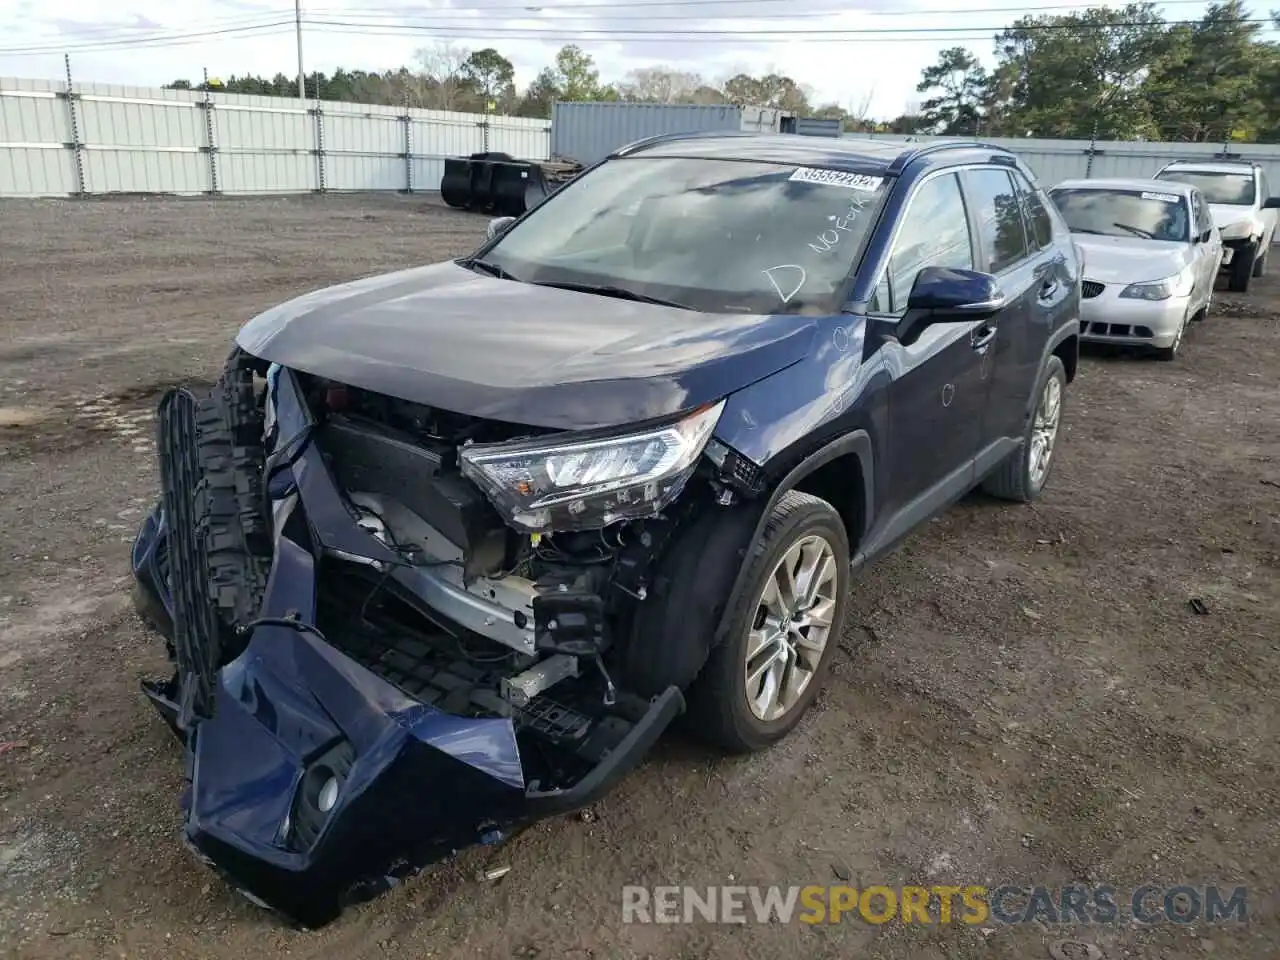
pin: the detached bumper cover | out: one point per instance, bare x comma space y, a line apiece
416, 784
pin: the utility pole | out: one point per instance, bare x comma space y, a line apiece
297, 23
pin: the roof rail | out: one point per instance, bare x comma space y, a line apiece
645, 142
911, 156
1216, 159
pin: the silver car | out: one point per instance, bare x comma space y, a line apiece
1242, 207
1151, 254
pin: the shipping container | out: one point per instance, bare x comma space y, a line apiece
815, 127
588, 132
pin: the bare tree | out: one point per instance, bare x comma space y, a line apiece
661, 84
442, 69
859, 111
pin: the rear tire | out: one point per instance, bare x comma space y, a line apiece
729, 704
1014, 479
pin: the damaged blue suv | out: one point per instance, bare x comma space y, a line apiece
446, 551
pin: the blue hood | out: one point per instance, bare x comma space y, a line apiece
447, 337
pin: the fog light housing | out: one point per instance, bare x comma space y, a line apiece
318, 794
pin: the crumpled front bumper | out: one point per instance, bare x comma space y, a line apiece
416, 783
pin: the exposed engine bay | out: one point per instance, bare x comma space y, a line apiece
514, 613
453, 624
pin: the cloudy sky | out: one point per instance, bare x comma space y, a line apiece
848, 52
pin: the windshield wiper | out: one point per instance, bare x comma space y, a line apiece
474, 263
1145, 234
605, 290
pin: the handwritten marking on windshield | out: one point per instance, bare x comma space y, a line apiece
786, 297
841, 223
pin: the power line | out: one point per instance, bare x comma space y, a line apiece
846, 32
535, 12
159, 40
120, 30
402, 13
457, 30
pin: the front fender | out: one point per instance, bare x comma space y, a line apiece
837, 388
791, 424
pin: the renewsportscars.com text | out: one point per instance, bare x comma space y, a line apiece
972, 904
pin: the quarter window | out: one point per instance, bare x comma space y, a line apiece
998, 216
934, 233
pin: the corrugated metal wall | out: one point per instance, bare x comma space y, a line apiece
588, 132
112, 139
109, 138
1056, 160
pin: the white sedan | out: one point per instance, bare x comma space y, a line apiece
1151, 254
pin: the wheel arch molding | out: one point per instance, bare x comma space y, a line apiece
856, 512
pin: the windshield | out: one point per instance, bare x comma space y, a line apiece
721, 236
1235, 189
1124, 213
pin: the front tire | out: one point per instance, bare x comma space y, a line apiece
1169, 353
761, 679
1241, 270
1022, 476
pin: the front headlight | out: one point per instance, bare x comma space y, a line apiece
1179, 285
586, 483
1240, 230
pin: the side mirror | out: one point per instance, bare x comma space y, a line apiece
498, 225
1271, 203
951, 294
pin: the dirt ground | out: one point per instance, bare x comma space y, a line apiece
1024, 695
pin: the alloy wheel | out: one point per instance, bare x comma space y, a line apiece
791, 627
1044, 431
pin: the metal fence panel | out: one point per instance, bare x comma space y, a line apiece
443, 133
261, 172
364, 171
1056, 160
110, 169
522, 137
156, 140
35, 134
139, 124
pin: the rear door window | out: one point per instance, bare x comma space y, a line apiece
997, 214
1039, 223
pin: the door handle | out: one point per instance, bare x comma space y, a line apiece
982, 336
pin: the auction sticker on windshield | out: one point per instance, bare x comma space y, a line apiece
1166, 197
837, 178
